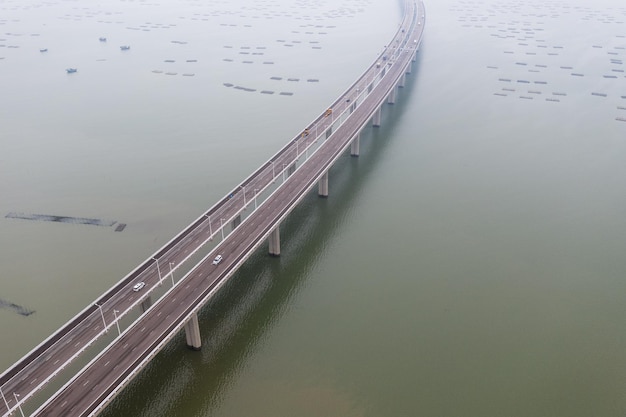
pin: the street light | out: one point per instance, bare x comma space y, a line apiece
18, 403
222, 227
210, 230
102, 314
5, 400
273, 174
119, 332
284, 172
244, 196
171, 273
255, 190
159, 271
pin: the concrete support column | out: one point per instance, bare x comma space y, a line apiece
146, 304
354, 146
415, 54
402, 81
274, 241
376, 117
392, 96
329, 131
291, 169
192, 333
236, 221
322, 187
409, 68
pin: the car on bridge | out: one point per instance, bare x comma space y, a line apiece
217, 260
139, 286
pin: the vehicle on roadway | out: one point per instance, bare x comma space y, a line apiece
139, 286
217, 259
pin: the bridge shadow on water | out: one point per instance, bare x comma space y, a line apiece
180, 382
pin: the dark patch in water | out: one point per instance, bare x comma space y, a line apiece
60, 219
23, 311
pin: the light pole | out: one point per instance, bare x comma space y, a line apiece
18, 403
244, 196
172, 273
222, 227
284, 172
103, 322
5, 400
159, 271
273, 174
255, 190
210, 230
119, 332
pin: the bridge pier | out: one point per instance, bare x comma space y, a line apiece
146, 304
392, 96
354, 146
376, 117
236, 221
322, 187
402, 81
274, 241
329, 131
409, 68
192, 333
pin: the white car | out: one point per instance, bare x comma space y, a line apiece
139, 286
217, 259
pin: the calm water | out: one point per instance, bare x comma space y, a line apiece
470, 262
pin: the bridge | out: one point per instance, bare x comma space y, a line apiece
240, 222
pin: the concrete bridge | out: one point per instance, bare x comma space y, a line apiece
241, 221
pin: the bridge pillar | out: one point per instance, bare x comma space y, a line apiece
192, 333
329, 131
402, 81
236, 221
415, 54
392, 96
376, 118
409, 68
146, 304
354, 146
274, 241
322, 187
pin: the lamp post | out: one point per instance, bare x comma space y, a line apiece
159, 271
284, 172
222, 227
102, 314
255, 190
18, 403
5, 400
119, 332
210, 230
273, 174
244, 196
171, 273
